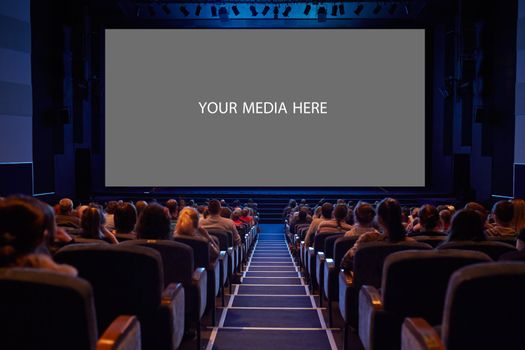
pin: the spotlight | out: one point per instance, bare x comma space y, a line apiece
359, 9
341, 9
235, 10
223, 13
334, 10
213, 11
321, 14
307, 9
392, 9
151, 11
377, 9
286, 11
276, 12
184, 11
265, 10
253, 10
166, 9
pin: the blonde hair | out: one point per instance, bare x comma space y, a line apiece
187, 222
518, 218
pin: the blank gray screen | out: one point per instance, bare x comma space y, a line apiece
372, 80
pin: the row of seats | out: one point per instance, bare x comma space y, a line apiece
140, 292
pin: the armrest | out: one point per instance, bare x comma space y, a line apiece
372, 297
321, 256
330, 264
222, 255
311, 251
198, 275
296, 238
199, 281
123, 330
417, 334
170, 320
229, 251
347, 277
170, 293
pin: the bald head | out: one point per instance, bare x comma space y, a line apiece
65, 206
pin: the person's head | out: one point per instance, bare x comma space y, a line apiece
214, 207
188, 222
340, 212
140, 206
364, 214
326, 210
518, 218
317, 213
467, 225
92, 222
65, 206
223, 203
111, 206
429, 217
292, 203
125, 218
389, 218
154, 223
80, 210
173, 208
245, 212
482, 211
414, 212
503, 212
302, 215
236, 214
445, 215
341, 201
226, 212
22, 227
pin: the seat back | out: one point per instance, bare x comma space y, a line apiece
341, 246
177, 259
415, 282
369, 259
491, 248
125, 279
483, 309
301, 231
329, 244
201, 249
45, 310
434, 241
518, 255
509, 240
224, 241
321, 237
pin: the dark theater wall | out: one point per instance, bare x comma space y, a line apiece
16, 112
519, 155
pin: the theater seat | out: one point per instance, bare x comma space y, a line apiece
434, 241
414, 285
312, 259
491, 248
513, 256
367, 270
321, 257
178, 266
226, 271
331, 270
483, 311
129, 280
45, 310
201, 258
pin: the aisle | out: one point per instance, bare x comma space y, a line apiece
272, 308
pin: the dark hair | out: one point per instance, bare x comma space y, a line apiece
478, 208
428, 217
22, 227
326, 210
445, 215
364, 213
303, 214
467, 225
91, 222
389, 211
504, 211
226, 212
173, 207
111, 206
214, 207
154, 223
125, 218
340, 212
292, 203
140, 206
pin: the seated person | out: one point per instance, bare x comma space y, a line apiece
188, 225
154, 223
466, 225
429, 222
110, 214
246, 217
300, 218
226, 212
502, 213
392, 230
125, 218
216, 222
65, 216
364, 215
236, 217
479, 208
338, 223
445, 215
23, 234
325, 213
93, 225
520, 242
140, 206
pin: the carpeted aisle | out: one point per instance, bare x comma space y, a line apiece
272, 308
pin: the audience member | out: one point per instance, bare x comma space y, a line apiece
467, 225
337, 223
188, 225
429, 222
326, 214
154, 223
364, 215
445, 215
92, 222
65, 216
502, 214
173, 208
478, 208
22, 236
518, 219
125, 220
140, 206
216, 222
109, 214
226, 212
246, 217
